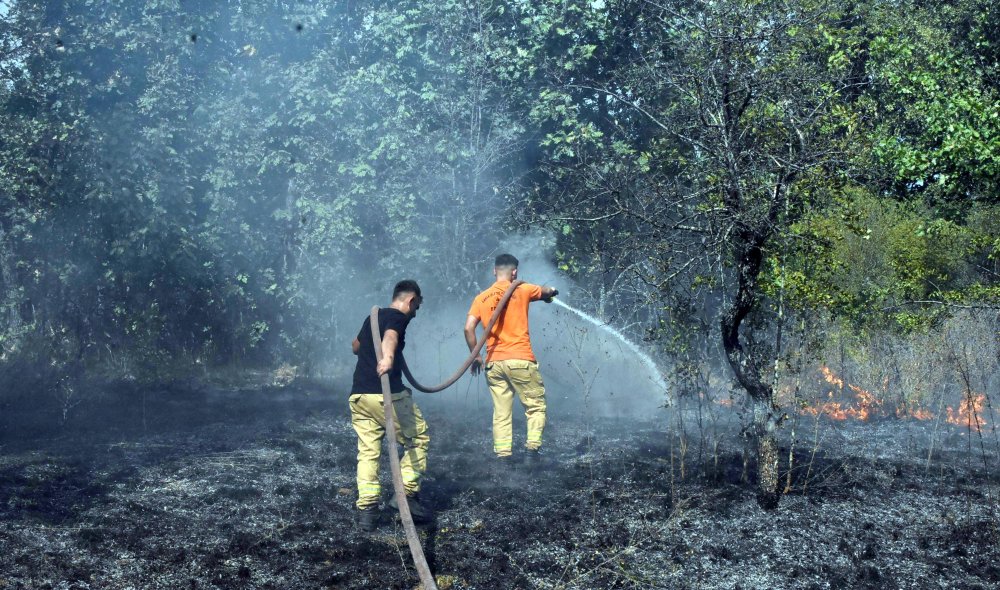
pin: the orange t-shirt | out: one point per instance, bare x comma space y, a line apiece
509, 338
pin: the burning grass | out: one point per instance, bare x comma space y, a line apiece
254, 489
970, 412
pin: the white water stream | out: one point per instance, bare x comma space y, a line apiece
647, 362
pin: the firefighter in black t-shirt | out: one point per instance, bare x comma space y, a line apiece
368, 415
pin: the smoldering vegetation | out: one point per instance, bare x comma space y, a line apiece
253, 487
199, 203
248, 482
211, 485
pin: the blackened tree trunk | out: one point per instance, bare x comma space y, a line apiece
766, 416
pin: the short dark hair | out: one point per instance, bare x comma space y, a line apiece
505, 261
405, 286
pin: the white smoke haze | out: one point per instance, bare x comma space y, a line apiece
587, 368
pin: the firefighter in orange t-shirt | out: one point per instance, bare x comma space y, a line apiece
510, 363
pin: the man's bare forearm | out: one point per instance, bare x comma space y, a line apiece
470, 331
389, 341
470, 338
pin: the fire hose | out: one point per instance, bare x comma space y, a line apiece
501, 305
412, 539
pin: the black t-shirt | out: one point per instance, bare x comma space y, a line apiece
366, 379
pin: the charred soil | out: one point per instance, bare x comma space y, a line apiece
254, 488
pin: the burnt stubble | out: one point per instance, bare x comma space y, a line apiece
253, 488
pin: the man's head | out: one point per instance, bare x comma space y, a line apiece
406, 297
505, 267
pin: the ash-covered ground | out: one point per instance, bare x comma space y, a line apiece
253, 488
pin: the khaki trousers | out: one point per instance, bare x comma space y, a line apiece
368, 419
505, 378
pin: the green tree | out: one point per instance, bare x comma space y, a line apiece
743, 106
936, 100
218, 182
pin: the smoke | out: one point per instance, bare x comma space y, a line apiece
240, 208
587, 370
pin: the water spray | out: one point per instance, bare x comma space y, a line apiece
645, 359
423, 570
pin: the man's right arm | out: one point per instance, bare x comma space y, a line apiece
470, 338
389, 341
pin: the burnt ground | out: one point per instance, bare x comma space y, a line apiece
253, 488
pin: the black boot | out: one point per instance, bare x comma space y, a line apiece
367, 518
532, 458
418, 511
502, 465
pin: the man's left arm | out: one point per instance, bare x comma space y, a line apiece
471, 321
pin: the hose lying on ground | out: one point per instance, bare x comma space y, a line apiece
412, 539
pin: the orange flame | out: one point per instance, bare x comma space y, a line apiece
969, 413
830, 377
866, 404
915, 412
832, 409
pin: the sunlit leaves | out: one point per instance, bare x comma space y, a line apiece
940, 115
859, 254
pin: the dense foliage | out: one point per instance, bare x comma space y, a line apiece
207, 183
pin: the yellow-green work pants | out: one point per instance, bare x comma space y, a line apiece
368, 419
506, 378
